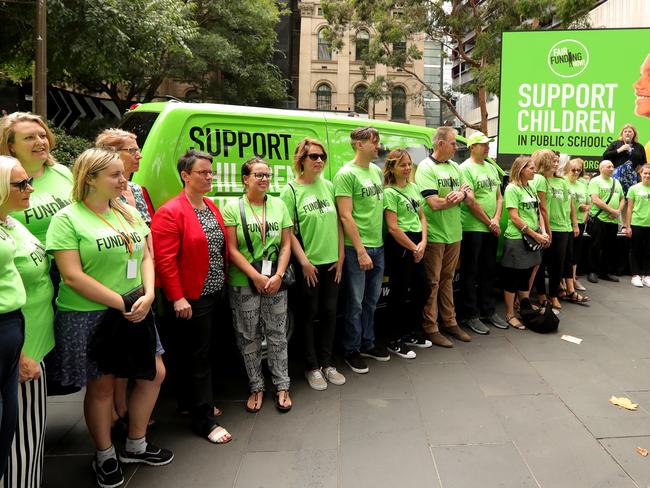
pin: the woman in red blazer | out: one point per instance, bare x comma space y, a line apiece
189, 240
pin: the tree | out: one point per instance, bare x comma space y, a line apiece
449, 22
232, 52
126, 48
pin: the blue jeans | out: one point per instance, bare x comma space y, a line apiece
12, 336
363, 289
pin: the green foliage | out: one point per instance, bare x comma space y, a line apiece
68, 147
449, 22
126, 48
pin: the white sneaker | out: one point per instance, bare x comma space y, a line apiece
334, 376
636, 281
579, 286
316, 380
646, 281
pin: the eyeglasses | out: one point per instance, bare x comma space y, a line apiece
316, 157
131, 150
576, 170
22, 184
261, 176
205, 173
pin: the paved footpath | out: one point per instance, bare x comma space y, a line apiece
512, 409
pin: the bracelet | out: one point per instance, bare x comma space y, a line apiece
524, 229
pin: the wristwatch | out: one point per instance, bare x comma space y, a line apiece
281, 275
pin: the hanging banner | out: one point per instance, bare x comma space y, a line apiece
572, 91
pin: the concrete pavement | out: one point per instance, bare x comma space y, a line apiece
511, 409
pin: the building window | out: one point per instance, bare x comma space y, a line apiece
360, 102
324, 45
361, 43
399, 48
193, 96
323, 97
398, 104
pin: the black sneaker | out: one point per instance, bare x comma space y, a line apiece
356, 363
398, 347
153, 456
416, 340
109, 474
378, 353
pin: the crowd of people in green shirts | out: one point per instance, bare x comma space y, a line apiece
88, 238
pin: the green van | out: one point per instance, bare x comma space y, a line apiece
233, 134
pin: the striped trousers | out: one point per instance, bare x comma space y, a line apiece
25, 468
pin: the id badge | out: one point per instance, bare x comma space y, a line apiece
266, 267
131, 269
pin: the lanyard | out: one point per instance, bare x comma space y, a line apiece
261, 224
127, 240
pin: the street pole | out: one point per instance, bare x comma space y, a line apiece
39, 84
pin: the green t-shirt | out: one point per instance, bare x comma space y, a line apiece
34, 268
580, 196
406, 203
317, 218
277, 218
558, 204
484, 181
640, 193
102, 249
12, 291
601, 187
525, 201
539, 183
364, 186
52, 192
431, 178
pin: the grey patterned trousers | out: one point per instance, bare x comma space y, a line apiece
255, 316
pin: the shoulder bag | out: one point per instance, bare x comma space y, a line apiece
589, 225
530, 244
289, 278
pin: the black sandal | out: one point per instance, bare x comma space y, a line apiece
211, 430
282, 408
577, 298
259, 397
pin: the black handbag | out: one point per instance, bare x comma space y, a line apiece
530, 244
289, 278
541, 321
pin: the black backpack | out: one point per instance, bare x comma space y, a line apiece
542, 321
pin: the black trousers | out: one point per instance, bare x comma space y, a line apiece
603, 246
408, 283
553, 261
318, 302
192, 346
478, 266
576, 249
640, 251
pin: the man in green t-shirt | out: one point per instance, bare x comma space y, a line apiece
359, 198
607, 203
440, 182
480, 218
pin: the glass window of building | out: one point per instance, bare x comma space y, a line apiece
323, 97
360, 102
324, 45
399, 48
361, 43
398, 103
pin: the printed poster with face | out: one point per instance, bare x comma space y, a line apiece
572, 91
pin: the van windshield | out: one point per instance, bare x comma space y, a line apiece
139, 123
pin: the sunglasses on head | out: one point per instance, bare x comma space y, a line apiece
316, 157
22, 184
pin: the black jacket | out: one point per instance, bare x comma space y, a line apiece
637, 156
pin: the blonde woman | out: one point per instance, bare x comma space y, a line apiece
27, 137
578, 188
99, 245
518, 263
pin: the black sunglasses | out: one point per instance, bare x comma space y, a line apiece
22, 184
316, 157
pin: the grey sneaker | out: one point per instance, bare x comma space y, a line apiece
316, 379
333, 376
477, 326
497, 321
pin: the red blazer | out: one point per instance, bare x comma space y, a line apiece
181, 248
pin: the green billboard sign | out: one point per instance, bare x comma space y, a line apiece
572, 91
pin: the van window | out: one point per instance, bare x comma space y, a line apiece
139, 123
